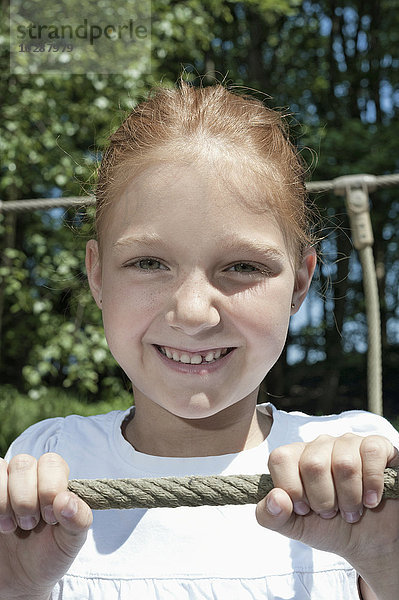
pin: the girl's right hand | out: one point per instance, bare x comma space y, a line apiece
42, 525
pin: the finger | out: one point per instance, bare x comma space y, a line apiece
75, 518
52, 475
284, 469
315, 471
348, 476
22, 489
376, 453
275, 511
393, 459
7, 522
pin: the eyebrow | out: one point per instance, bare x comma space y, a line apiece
232, 242
237, 243
146, 239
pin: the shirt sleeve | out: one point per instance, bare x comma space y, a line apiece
365, 423
38, 439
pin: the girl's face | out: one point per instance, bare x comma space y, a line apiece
195, 289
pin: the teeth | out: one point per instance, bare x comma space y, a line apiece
196, 359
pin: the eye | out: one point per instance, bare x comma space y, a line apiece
244, 268
248, 269
146, 264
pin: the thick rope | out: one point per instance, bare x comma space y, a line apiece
374, 182
374, 354
170, 492
45, 203
356, 190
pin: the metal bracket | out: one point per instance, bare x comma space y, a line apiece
356, 190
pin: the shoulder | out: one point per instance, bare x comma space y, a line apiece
298, 426
48, 435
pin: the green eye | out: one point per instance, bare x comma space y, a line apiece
244, 268
148, 264
250, 270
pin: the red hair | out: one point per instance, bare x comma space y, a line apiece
236, 137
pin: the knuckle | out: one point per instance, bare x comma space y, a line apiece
280, 456
22, 462
348, 436
52, 460
3, 487
346, 466
3, 473
323, 438
312, 466
373, 446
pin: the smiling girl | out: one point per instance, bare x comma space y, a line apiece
202, 255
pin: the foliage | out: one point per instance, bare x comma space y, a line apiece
20, 411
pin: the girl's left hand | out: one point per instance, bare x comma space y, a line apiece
328, 495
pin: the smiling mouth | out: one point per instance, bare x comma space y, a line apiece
206, 357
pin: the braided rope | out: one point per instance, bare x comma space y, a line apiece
47, 203
170, 492
374, 354
371, 181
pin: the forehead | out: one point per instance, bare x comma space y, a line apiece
183, 199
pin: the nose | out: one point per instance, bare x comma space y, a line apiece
193, 306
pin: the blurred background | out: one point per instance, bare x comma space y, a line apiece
334, 65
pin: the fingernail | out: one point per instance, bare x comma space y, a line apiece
48, 515
70, 509
28, 522
301, 508
371, 499
6, 524
352, 517
273, 507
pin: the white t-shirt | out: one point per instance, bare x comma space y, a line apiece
201, 553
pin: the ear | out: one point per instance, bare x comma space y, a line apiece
93, 268
303, 278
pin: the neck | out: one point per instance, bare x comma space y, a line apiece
153, 430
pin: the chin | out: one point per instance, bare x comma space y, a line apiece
198, 407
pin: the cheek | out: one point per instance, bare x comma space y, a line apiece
127, 312
264, 309
124, 297
263, 319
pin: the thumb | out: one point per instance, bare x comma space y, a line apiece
74, 518
276, 512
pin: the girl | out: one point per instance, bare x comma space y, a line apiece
202, 255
